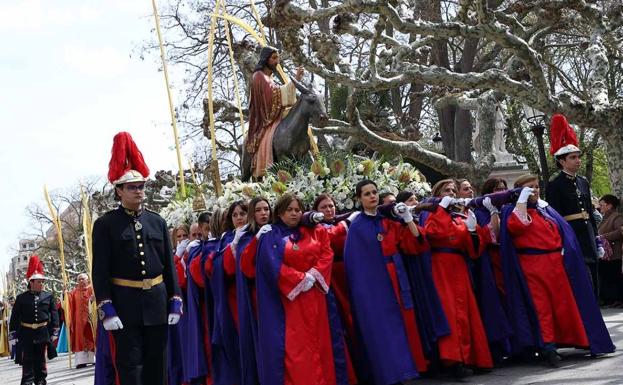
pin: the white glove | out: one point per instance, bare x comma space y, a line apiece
489, 206
600, 252
317, 217
355, 214
526, 192
174, 318
402, 210
192, 244
112, 323
471, 222
308, 282
181, 247
264, 229
447, 201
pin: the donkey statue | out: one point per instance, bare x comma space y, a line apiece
290, 138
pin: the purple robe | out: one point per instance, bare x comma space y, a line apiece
196, 362
247, 323
104, 369
376, 312
225, 341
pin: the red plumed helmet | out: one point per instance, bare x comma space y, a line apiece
562, 137
126, 163
35, 269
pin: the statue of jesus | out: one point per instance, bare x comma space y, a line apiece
267, 103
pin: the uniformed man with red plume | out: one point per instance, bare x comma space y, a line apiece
34, 326
570, 194
133, 273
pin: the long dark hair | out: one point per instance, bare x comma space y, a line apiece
229, 223
265, 54
253, 226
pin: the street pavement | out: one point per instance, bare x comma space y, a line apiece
577, 368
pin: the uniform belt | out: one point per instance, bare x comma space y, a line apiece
34, 326
144, 284
573, 217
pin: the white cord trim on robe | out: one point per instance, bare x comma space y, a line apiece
320, 279
523, 216
298, 289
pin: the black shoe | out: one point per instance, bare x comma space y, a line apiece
459, 372
80, 366
552, 359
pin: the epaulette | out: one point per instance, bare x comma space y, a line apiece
151, 211
109, 212
582, 177
555, 176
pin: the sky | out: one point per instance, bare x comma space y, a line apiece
68, 84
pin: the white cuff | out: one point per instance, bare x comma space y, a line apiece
320, 279
298, 289
523, 216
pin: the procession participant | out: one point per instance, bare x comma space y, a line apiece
244, 246
133, 273
464, 189
570, 194
611, 290
267, 102
293, 277
179, 234
204, 224
202, 279
176, 358
487, 276
34, 323
81, 329
381, 297
5, 349
194, 233
196, 352
484, 214
454, 239
387, 198
548, 291
407, 197
323, 213
225, 339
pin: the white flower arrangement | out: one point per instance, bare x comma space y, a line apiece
337, 177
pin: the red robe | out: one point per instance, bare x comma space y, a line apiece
308, 347
81, 332
467, 341
559, 318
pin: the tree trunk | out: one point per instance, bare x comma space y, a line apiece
614, 149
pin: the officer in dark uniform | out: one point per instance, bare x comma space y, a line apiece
570, 195
133, 274
34, 324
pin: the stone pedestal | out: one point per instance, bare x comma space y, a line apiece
509, 171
